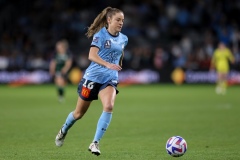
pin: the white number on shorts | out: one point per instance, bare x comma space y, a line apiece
89, 85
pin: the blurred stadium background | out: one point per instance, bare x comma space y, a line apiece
164, 35
170, 42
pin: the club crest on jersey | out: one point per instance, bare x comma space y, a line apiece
107, 44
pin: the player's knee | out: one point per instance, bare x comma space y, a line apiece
108, 107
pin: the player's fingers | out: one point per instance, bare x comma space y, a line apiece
118, 68
115, 67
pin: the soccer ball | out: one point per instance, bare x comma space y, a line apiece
176, 146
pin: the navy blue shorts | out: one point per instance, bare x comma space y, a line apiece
88, 90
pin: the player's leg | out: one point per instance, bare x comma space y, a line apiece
218, 84
221, 83
81, 108
224, 82
60, 83
107, 96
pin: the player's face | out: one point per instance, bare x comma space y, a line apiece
116, 22
60, 48
221, 45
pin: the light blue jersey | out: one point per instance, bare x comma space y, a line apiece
110, 49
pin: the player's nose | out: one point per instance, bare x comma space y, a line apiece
121, 22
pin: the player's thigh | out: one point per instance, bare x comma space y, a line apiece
81, 108
108, 96
88, 90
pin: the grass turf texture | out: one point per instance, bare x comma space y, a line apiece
144, 117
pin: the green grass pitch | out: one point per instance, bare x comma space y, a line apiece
144, 117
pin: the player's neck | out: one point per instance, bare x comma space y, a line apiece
112, 32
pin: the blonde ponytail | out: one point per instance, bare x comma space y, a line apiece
101, 20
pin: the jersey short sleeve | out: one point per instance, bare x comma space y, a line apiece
126, 42
97, 40
229, 55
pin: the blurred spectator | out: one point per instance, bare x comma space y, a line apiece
29, 30
3, 62
160, 58
179, 59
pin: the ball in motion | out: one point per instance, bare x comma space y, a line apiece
176, 146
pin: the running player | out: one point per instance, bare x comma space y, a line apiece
101, 77
59, 66
220, 61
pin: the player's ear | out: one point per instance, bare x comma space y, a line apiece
109, 20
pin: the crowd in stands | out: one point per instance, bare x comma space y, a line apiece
163, 34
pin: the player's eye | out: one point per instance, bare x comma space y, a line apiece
120, 20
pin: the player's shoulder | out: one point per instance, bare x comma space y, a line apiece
217, 51
228, 50
123, 36
101, 32
100, 35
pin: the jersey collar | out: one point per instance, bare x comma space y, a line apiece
111, 34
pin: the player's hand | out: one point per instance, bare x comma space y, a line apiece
114, 66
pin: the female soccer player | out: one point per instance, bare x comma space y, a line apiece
101, 77
220, 60
59, 66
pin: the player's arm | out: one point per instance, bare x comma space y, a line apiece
121, 59
93, 56
231, 57
212, 65
52, 67
67, 66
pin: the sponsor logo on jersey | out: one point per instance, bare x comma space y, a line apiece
95, 39
107, 44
